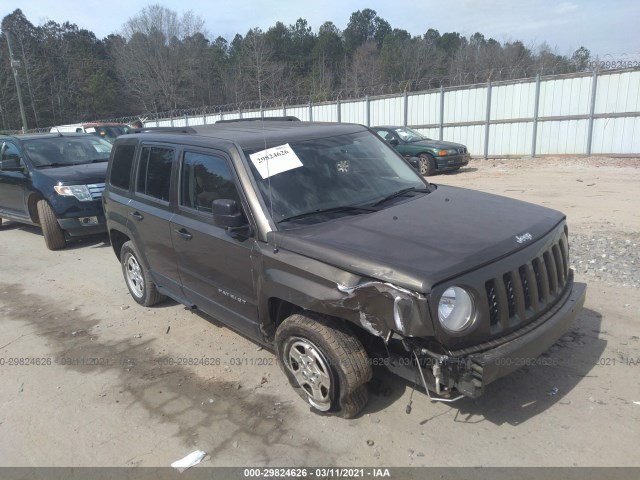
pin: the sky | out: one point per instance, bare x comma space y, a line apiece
608, 29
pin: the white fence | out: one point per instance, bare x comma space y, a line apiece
577, 114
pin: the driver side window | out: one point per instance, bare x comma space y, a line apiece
11, 156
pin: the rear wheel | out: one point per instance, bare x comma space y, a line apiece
427, 164
53, 234
137, 278
325, 364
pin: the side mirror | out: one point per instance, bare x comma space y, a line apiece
415, 162
394, 142
226, 213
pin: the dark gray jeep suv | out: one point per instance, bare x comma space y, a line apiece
321, 242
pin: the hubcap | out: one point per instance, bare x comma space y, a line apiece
133, 274
311, 371
423, 166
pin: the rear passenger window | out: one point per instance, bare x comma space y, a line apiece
205, 178
121, 166
154, 172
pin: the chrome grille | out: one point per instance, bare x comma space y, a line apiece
518, 296
96, 190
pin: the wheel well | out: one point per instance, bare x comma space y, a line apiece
32, 205
118, 239
280, 309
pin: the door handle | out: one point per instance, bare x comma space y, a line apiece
138, 216
183, 233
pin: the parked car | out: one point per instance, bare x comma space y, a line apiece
55, 182
320, 242
107, 131
434, 155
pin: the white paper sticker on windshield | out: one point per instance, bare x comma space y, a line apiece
275, 160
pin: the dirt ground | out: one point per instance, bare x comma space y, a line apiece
89, 378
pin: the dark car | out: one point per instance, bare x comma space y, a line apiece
433, 155
319, 241
54, 181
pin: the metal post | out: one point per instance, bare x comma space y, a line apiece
171, 117
284, 110
204, 118
261, 113
592, 110
441, 133
367, 111
536, 104
339, 107
14, 67
310, 112
186, 120
487, 122
406, 109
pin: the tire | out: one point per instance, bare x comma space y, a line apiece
137, 277
427, 164
326, 364
53, 234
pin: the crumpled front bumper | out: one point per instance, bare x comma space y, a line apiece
485, 367
470, 373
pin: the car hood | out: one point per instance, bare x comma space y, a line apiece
422, 242
76, 174
436, 144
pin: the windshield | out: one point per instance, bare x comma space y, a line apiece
62, 151
110, 133
410, 135
332, 174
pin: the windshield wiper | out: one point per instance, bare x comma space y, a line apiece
55, 164
400, 193
345, 208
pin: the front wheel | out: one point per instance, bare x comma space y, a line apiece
427, 164
138, 279
325, 363
53, 234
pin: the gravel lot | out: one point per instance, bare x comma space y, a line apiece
122, 385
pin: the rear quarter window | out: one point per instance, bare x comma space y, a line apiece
121, 164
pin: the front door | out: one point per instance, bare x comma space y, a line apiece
215, 266
13, 182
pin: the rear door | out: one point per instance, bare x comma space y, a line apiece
13, 181
214, 265
150, 214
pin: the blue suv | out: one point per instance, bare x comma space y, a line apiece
54, 181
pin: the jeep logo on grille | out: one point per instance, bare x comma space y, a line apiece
525, 237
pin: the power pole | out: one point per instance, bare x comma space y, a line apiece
14, 66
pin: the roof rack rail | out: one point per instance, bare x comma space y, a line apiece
288, 118
162, 129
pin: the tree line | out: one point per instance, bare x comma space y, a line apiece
162, 60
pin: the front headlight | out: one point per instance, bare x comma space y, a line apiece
81, 192
456, 311
451, 151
